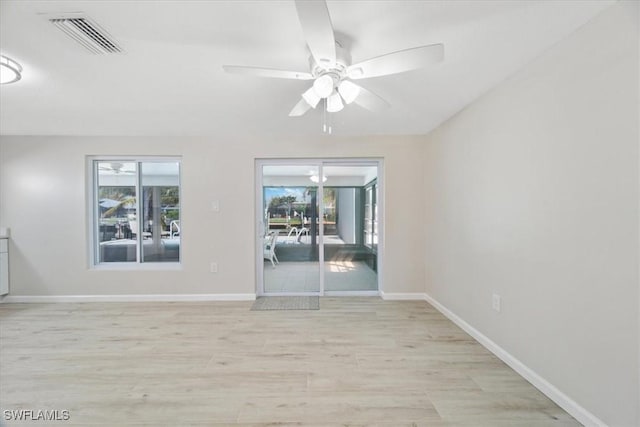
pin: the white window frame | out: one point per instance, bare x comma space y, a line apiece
372, 208
92, 214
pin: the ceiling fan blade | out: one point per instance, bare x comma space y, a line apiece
370, 100
318, 31
267, 72
397, 62
301, 107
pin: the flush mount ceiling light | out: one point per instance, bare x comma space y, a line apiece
10, 70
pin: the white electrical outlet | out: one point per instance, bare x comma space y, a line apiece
496, 301
215, 206
214, 267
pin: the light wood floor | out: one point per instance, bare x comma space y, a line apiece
356, 361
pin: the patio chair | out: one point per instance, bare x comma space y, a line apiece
269, 249
174, 228
133, 225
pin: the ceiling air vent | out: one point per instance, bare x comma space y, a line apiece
87, 33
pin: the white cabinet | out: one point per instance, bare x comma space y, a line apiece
4, 266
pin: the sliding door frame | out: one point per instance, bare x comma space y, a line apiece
260, 226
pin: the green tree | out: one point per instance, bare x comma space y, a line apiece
280, 201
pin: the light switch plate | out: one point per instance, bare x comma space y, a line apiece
496, 302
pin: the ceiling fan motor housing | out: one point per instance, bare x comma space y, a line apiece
339, 69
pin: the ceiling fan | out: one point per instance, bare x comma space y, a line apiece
331, 69
115, 167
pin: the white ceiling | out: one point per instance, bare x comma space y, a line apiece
170, 80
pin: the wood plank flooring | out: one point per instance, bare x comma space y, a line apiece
356, 361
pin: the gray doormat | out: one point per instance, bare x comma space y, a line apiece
287, 303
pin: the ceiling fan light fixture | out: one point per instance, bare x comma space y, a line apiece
323, 86
348, 91
334, 103
10, 70
311, 97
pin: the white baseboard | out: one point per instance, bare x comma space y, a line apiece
561, 399
401, 296
351, 293
126, 298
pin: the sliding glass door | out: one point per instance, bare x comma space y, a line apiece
289, 228
317, 221
350, 263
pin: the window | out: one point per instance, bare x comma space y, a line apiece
371, 216
136, 210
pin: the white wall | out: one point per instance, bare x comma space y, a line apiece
532, 193
43, 201
346, 214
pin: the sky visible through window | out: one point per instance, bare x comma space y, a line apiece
297, 192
